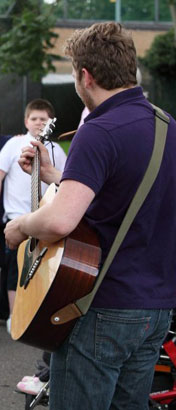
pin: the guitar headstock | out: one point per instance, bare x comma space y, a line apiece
47, 129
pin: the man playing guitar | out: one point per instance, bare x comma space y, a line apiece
107, 362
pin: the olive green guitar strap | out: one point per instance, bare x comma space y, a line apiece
161, 126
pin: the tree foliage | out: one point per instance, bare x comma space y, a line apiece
105, 10
25, 49
161, 57
172, 6
86, 9
4, 6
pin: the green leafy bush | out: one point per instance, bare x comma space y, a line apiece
161, 57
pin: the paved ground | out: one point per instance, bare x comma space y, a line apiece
16, 361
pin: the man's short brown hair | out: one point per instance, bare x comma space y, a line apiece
107, 51
39, 104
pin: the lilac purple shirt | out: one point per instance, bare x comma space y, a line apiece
110, 153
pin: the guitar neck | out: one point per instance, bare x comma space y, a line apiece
35, 183
35, 176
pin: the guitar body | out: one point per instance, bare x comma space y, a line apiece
66, 272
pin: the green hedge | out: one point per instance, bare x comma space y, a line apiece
161, 57
65, 145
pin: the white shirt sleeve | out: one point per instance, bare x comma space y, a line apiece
7, 154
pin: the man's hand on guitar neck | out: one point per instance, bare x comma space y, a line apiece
48, 173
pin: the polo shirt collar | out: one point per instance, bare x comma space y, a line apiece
30, 135
135, 93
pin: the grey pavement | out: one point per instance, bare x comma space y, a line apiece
16, 360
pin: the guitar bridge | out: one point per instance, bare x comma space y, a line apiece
34, 267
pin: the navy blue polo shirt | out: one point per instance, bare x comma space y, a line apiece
110, 154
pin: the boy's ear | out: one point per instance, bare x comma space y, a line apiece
25, 122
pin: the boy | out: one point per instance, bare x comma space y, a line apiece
17, 184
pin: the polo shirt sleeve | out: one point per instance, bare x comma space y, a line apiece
91, 157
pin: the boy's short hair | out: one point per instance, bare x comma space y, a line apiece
40, 104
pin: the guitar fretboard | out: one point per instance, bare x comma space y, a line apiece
35, 176
35, 183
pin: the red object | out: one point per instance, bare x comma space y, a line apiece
167, 396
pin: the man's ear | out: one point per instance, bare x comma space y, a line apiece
88, 79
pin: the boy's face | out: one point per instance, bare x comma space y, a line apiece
35, 122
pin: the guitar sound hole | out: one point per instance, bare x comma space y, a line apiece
33, 244
28, 258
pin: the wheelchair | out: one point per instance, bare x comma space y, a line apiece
42, 398
163, 392
42, 371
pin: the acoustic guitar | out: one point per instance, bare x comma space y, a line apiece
51, 276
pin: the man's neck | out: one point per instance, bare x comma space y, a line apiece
100, 95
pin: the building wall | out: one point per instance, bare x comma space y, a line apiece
142, 39
67, 104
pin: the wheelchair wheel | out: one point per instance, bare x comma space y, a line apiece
28, 400
157, 406
172, 405
42, 398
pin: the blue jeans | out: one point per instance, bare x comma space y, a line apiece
108, 360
